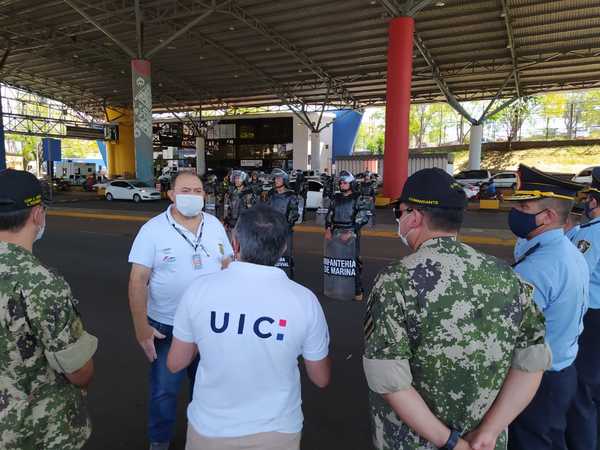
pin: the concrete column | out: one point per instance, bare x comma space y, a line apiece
315, 151
142, 119
2, 148
200, 157
475, 147
397, 110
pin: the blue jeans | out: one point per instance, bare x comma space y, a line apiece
164, 387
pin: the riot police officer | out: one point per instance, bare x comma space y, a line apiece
282, 199
342, 265
301, 190
211, 189
255, 185
238, 198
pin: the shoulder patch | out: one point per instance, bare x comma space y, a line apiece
584, 245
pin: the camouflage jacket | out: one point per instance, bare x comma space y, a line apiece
456, 316
39, 408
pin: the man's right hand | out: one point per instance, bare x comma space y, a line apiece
463, 445
482, 439
146, 341
328, 234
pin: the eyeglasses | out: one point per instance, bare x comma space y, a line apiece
398, 212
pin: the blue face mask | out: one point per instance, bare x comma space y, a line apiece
521, 223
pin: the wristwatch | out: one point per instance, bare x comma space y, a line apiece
452, 440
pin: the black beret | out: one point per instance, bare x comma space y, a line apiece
19, 190
433, 188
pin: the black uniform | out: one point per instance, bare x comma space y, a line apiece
349, 213
287, 204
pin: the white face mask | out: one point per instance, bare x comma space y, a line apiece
40, 232
189, 205
403, 238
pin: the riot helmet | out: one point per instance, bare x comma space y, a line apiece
279, 173
239, 174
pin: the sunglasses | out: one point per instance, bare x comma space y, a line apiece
398, 212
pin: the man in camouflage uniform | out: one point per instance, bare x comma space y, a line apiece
45, 353
454, 343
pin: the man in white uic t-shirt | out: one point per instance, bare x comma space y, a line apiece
171, 251
250, 323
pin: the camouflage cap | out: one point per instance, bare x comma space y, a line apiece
19, 190
433, 188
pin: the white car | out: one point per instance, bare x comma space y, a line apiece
131, 190
584, 177
314, 196
505, 180
473, 177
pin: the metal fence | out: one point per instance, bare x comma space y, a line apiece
374, 163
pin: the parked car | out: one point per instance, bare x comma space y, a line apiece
314, 196
131, 190
584, 177
505, 180
473, 177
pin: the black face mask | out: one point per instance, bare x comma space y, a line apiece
588, 209
521, 223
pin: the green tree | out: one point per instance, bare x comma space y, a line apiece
551, 106
513, 117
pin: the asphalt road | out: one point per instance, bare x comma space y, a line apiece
497, 220
92, 255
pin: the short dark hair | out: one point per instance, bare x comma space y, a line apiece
562, 207
14, 220
443, 219
262, 234
182, 173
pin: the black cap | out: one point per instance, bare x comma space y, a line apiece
595, 187
433, 188
533, 184
19, 190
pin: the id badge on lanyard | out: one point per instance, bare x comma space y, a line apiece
197, 261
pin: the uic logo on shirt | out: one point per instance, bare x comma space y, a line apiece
262, 327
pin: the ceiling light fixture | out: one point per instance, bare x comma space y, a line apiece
440, 4
231, 28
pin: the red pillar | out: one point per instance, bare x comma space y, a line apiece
397, 111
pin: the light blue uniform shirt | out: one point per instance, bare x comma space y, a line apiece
557, 270
522, 242
587, 240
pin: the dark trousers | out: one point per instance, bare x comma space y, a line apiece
164, 387
582, 429
542, 425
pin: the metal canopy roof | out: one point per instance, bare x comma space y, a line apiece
298, 52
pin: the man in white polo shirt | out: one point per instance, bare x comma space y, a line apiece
250, 323
171, 251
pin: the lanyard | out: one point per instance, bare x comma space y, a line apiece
192, 244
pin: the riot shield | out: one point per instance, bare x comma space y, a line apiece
301, 204
340, 267
211, 204
321, 214
286, 262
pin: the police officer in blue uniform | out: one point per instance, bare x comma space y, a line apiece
559, 275
284, 200
582, 431
572, 226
